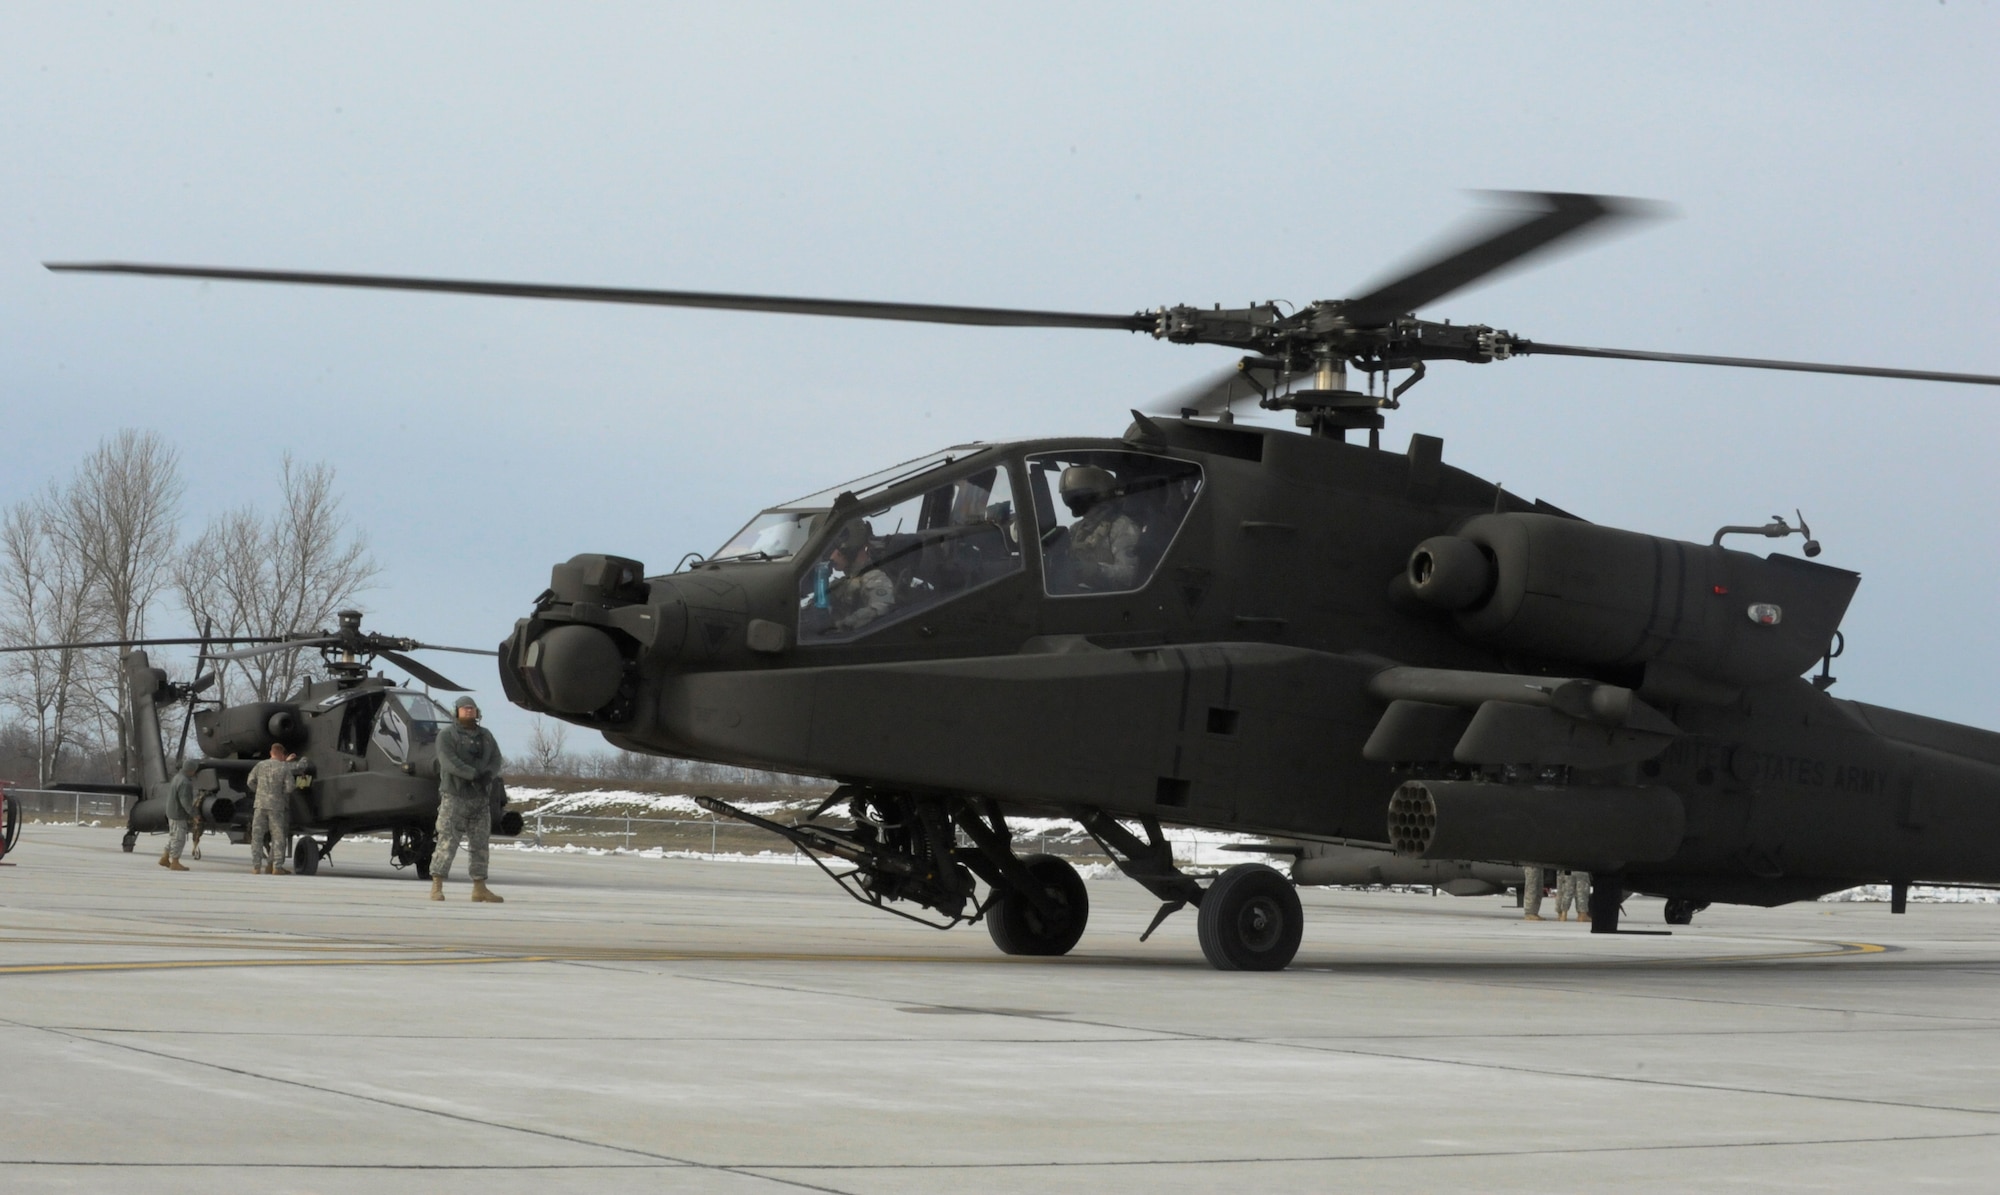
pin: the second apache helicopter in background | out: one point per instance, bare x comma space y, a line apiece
1249, 630
369, 745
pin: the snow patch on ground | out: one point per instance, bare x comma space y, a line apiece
594, 802
786, 857
1879, 894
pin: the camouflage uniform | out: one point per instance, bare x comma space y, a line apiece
271, 783
1573, 890
180, 814
860, 598
1531, 891
468, 769
1104, 549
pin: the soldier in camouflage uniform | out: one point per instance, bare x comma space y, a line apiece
181, 815
271, 783
1573, 888
865, 593
468, 772
1531, 892
1103, 547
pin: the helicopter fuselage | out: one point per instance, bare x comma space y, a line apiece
1266, 666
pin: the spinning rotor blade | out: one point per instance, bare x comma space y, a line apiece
926, 313
1525, 347
137, 643
1218, 391
1549, 216
275, 645
468, 651
194, 689
433, 679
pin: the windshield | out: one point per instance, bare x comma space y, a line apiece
422, 708
779, 532
773, 535
885, 564
882, 479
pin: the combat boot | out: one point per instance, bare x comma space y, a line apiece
280, 871
1532, 917
437, 887
175, 865
480, 892
163, 859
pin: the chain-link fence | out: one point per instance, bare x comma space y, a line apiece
65, 805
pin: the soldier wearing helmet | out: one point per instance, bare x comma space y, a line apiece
1103, 549
864, 593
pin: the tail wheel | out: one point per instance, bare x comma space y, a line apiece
1250, 920
1681, 912
1018, 927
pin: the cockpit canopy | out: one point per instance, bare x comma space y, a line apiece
1099, 521
778, 533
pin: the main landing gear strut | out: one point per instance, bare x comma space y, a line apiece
929, 850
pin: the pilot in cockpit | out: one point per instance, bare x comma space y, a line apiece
865, 593
1103, 548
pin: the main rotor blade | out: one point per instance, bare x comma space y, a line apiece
1548, 217
426, 675
137, 643
469, 651
275, 645
1218, 391
925, 313
1526, 347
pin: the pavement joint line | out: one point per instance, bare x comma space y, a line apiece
1140, 1036
1960, 1020
472, 1166
761, 1170
384, 1101
1688, 1084
1284, 1043
1679, 1146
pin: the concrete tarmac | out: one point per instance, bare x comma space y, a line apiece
634, 1024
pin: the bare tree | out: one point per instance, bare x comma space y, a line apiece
117, 520
246, 575
44, 602
545, 749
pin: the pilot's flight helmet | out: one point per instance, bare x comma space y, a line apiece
851, 539
1084, 486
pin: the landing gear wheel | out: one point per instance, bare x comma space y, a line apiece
1681, 912
305, 857
130, 840
1018, 927
1250, 920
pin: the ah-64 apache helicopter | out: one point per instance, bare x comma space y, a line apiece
1245, 629
368, 744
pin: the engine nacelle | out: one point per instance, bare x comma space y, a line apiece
1573, 591
240, 730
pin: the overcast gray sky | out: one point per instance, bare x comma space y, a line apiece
1835, 167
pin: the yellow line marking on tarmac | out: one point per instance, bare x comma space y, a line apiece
1840, 950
